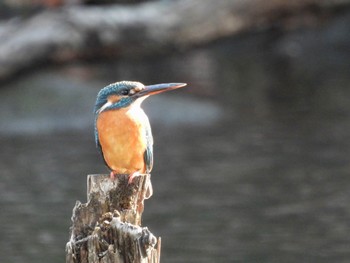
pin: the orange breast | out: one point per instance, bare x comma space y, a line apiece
122, 137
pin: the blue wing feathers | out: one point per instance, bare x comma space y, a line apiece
148, 154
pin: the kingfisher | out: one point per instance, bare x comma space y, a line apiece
122, 130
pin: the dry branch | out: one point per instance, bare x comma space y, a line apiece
75, 32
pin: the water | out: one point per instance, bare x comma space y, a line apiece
251, 159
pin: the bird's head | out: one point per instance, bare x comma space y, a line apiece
125, 93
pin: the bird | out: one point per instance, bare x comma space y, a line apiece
123, 133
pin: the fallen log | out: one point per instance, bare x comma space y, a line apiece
80, 32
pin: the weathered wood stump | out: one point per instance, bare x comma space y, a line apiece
108, 227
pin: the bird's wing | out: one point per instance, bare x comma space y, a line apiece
98, 145
148, 154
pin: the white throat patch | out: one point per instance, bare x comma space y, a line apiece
107, 104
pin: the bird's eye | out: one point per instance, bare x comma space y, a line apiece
125, 92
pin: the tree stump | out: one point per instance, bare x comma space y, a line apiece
108, 227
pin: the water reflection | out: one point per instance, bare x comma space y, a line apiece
251, 160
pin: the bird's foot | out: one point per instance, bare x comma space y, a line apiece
112, 175
132, 176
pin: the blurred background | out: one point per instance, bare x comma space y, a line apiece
251, 158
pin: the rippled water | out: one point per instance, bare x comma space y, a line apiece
251, 159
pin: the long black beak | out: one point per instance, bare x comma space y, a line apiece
158, 88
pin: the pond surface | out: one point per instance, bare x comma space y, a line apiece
251, 159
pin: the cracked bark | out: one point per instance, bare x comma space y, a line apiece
108, 227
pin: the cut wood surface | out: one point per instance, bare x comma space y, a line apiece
76, 32
108, 227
